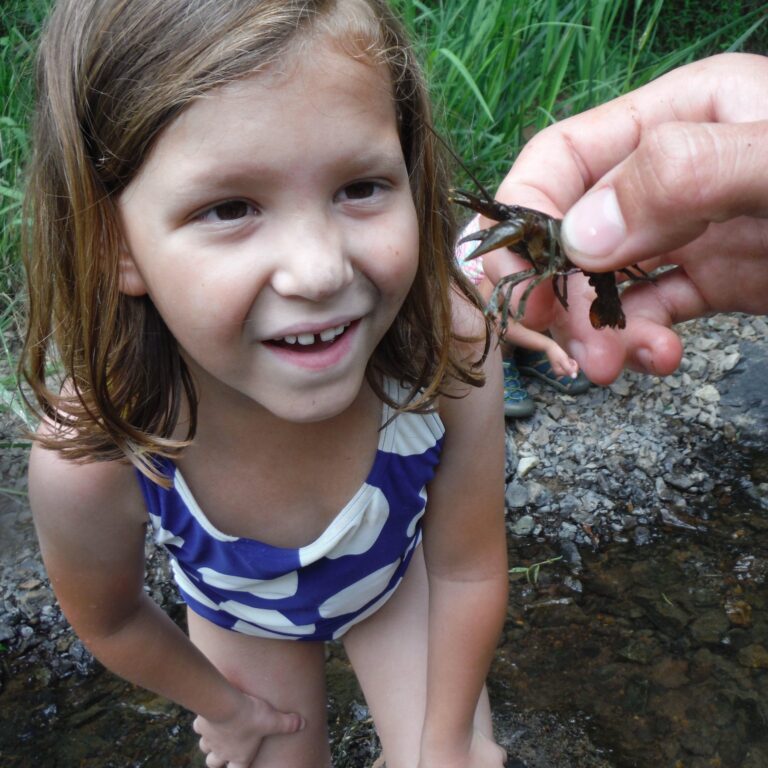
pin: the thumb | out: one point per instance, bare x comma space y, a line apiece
281, 722
680, 178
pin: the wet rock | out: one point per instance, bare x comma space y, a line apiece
744, 399
671, 519
756, 757
571, 554
641, 535
739, 613
670, 672
754, 657
710, 627
642, 648
665, 615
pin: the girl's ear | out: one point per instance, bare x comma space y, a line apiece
131, 281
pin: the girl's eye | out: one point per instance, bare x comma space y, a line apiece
360, 190
231, 210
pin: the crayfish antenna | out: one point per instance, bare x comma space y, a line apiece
484, 193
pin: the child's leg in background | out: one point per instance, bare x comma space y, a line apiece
289, 675
389, 654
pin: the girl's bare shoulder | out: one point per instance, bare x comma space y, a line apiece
73, 491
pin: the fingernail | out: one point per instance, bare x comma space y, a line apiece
645, 358
594, 227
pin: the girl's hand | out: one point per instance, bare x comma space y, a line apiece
562, 363
483, 752
236, 741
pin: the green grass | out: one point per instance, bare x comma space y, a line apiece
500, 71
503, 69
20, 22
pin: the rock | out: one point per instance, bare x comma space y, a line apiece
540, 437
709, 627
739, 613
524, 526
641, 535
6, 631
753, 657
670, 672
567, 531
642, 648
571, 554
516, 496
526, 464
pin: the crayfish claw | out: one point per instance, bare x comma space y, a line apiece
505, 234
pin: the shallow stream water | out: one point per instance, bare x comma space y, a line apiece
661, 651
626, 657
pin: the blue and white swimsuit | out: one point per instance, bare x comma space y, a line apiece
315, 592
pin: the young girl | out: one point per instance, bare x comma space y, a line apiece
241, 260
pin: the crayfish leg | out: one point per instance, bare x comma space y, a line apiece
504, 289
560, 288
538, 280
639, 274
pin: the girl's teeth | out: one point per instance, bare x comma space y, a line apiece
305, 339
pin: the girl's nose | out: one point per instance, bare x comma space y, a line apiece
312, 264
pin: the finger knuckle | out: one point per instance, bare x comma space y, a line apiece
676, 161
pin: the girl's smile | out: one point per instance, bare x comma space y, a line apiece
274, 229
315, 351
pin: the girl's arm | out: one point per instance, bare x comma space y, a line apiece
520, 336
466, 556
90, 521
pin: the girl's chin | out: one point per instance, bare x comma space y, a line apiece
315, 404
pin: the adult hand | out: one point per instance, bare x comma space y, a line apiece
671, 174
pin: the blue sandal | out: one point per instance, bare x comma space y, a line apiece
517, 402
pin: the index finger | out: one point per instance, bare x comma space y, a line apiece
563, 161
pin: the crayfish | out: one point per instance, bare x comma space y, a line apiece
536, 237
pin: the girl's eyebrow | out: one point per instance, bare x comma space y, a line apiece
226, 174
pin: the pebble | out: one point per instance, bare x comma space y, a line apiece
516, 495
524, 526
526, 464
644, 441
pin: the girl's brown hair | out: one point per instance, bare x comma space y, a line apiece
112, 74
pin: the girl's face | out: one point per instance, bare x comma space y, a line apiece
273, 228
